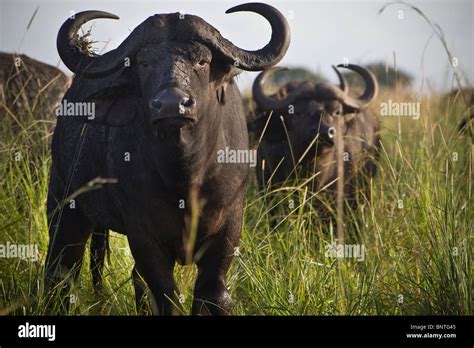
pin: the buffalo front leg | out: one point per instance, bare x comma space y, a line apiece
156, 268
69, 230
211, 296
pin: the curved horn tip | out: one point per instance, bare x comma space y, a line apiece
245, 7
271, 53
371, 84
335, 68
231, 10
94, 14
76, 61
263, 101
113, 16
343, 86
108, 15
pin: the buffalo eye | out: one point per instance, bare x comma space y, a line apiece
202, 63
338, 113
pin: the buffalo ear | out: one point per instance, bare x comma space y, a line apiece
222, 75
349, 112
115, 98
116, 109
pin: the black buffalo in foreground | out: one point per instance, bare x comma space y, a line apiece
162, 105
299, 125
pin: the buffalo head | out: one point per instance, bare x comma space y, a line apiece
177, 65
310, 110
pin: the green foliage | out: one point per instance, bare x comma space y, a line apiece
416, 229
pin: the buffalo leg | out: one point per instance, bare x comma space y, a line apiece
211, 296
68, 234
157, 271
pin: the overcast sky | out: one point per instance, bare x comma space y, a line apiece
323, 32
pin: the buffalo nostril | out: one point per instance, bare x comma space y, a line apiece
185, 104
184, 101
188, 102
331, 132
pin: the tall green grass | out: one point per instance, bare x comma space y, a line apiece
417, 231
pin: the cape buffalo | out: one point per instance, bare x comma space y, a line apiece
164, 103
299, 125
